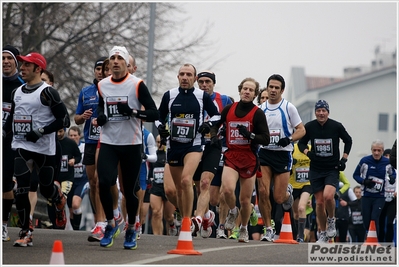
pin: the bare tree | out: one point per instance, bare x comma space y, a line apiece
73, 35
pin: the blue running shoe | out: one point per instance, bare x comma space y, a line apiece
109, 235
130, 239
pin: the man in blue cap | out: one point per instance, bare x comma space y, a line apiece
324, 135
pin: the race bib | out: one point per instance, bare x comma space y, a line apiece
112, 108
357, 217
64, 163
275, 135
182, 130
94, 132
323, 147
22, 126
378, 187
78, 169
234, 136
6, 111
158, 175
302, 174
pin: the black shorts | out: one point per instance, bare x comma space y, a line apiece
175, 156
158, 190
209, 161
278, 161
89, 157
318, 180
217, 180
255, 229
296, 193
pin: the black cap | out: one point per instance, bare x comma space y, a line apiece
99, 62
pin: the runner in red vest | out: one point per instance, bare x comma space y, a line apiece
246, 128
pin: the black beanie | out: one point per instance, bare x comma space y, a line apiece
13, 51
207, 74
99, 62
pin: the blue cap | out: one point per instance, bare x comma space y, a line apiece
322, 104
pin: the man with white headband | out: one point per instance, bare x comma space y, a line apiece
121, 97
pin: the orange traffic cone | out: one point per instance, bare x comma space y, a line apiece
372, 235
57, 257
286, 235
185, 242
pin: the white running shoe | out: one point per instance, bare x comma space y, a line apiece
231, 220
268, 234
220, 233
6, 238
331, 230
288, 203
243, 235
323, 238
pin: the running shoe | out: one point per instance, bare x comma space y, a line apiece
120, 222
172, 231
253, 219
97, 233
195, 226
6, 238
235, 233
207, 223
220, 233
268, 234
109, 235
25, 239
331, 230
60, 200
231, 220
130, 239
178, 218
288, 203
243, 235
323, 238
300, 240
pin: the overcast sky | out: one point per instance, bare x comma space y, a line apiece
257, 39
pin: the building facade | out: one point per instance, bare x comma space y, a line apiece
364, 100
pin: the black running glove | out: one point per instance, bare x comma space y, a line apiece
205, 128
283, 142
124, 109
244, 131
101, 119
369, 183
33, 136
162, 131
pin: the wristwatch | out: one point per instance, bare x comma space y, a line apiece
252, 136
290, 138
41, 130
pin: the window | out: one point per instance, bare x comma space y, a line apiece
383, 122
